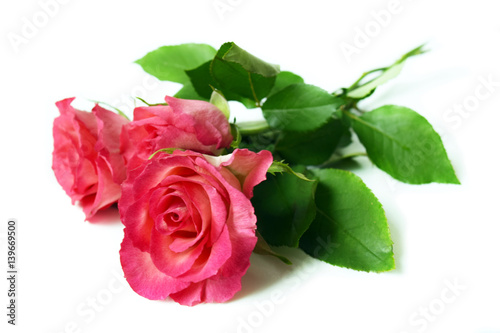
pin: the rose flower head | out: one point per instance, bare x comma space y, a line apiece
184, 124
86, 159
190, 225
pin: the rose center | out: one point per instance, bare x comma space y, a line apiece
175, 215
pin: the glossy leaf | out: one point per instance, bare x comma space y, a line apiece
311, 148
188, 92
169, 63
202, 80
283, 80
240, 72
284, 205
259, 141
204, 84
350, 229
300, 107
403, 143
263, 248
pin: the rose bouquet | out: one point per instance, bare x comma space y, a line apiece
198, 191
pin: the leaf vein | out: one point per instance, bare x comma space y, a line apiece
349, 234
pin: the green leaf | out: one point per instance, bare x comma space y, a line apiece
259, 141
188, 92
387, 74
300, 107
203, 82
264, 249
284, 206
350, 229
169, 63
283, 80
403, 143
311, 148
239, 75
230, 52
238, 71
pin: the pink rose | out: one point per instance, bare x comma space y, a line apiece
86, 158
185, 124
190, 225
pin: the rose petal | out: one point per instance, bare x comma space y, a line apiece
175, 202
155, 112
143, 276
250, 168
210, 122
199, 172
65, 156
87, 119
191, 295
75, 135
169, 211
108, 192
109, 126
212, 262
129, 195
241, 228
241, 223
136, 218
86, 178
170, 262
160, 167
65, 107
217, 289
173, 137
199, 205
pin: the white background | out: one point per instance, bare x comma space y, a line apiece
443, 234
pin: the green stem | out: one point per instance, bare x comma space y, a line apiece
350, 115
335, 160
355, 107
149, 104
355, 84
253, 127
